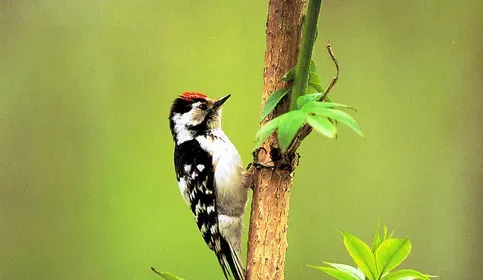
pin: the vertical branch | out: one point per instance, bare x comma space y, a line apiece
305, 54
267, 243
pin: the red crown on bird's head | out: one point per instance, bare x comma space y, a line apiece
193, 95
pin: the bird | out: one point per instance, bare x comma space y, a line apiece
210, 176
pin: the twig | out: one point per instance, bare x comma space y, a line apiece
334, 79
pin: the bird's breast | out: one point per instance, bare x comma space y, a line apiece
228, 171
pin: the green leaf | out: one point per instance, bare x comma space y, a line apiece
337, 274
406, 274
362, 255
288, 126
322, 125
392, 233
352, 271
166, 275
316, 106
266, 130
384, 233
312, 67
169, 276
309, 90
314, 79
306, 98
391, 253
272, 102
289, 76
334, 114
318, 87
377, 239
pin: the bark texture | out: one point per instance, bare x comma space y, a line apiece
267, 244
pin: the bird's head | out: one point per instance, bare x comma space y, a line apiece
194, 113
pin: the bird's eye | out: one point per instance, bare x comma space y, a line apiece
203, 106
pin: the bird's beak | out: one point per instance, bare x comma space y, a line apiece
220, 101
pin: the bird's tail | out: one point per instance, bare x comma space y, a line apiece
230, 261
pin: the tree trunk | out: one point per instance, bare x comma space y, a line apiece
267, 244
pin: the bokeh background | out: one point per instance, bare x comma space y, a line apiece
87, 188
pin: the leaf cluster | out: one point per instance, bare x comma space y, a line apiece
375, 262
314, 108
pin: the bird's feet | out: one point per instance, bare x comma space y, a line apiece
258, 164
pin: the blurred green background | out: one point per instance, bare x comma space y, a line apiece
87, 188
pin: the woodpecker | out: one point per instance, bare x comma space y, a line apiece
210, 176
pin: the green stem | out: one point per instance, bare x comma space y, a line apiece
305, 52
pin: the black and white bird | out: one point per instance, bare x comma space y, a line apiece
210, 176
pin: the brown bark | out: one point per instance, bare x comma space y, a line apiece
267, 244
